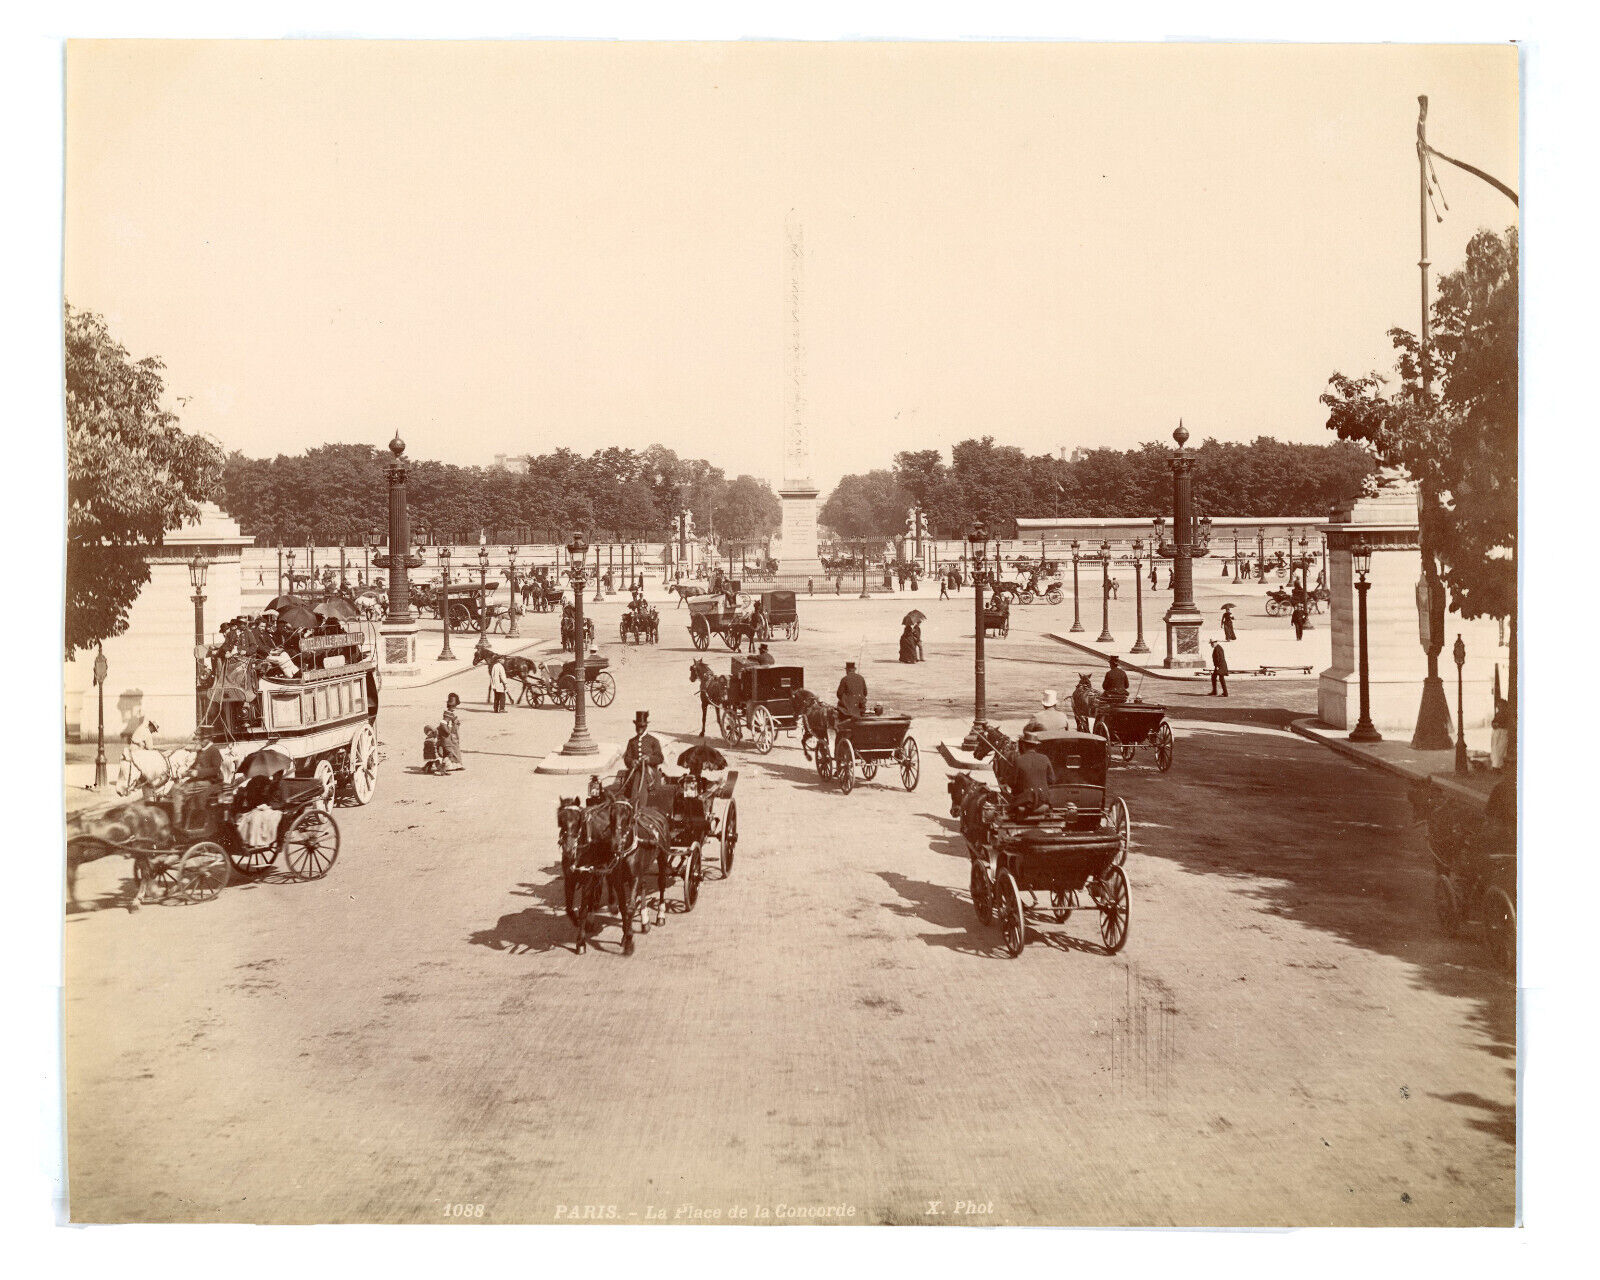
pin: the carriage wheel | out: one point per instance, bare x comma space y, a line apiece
202, 873
1164, 747
1013, 924
824, 765
1026, 597
1113, 902
1055, 595
691, 879
1500, 928
847, 768
1447, 905
1061, 905
909, 757
363, 778
1128, 749
567, 692
155, 876
869, 770
732, 639
603, 689
730, 837
1122, 820
1274, 608
701, 636
792, 630
461, 619
765, 730
323, 772
311, 844
982, 891
622, 630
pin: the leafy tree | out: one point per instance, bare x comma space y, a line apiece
866, 506
1459, 443
132, 476
748, 511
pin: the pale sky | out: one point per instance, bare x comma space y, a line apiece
508, 247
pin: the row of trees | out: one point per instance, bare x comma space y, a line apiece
336, 493
1266, 477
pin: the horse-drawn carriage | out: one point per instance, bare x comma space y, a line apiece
861, 744
465, 606
640, 624
569, 630
1130, 725
1072, 846
186, 840
556, 684
761, 703
778, 614
997, 616
711, 615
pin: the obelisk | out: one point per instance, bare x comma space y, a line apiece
797, 557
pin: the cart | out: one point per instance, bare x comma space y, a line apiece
862, 744
710, 616
778, 614
1072, 848
761, 703
1129, 725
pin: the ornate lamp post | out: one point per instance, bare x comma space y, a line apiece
197, 579
311, 566
290, 557
1139, 646
483, 588
1157, 528
516, 600
1236, 555
1261, 554
280, 571
598, 597
580, 743
369, 539
445, 654
865, 594
100, 673
977, 538
1076, 624
341, 566
1183, 617
1105, 636
1361, 559
1459, 653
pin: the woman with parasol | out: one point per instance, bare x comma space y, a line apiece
911, 637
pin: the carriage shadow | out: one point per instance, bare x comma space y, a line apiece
946, 909
544, 927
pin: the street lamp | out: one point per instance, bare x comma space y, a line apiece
101, 670
598, 596
1460, 655
290, 557
1305, 565
1139, 646
369, 540
1076, 624
1261, 554
341, 566
280, 571
865, 594
516, 599
977, 537
197, 579
580, 743
1183, 616
311, 566
445, 654
1361, 560
1105, 636
483, 588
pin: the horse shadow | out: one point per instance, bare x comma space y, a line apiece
538, 928
946, 909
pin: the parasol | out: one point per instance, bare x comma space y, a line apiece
297, 616
283, 602
700, 757
337, 607
916, 615
265, 763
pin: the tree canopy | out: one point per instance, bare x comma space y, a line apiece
133, 475
1460, 441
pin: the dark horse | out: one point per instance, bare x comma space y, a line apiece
714, 689
817, 723
517, 668
605, 847
974, 804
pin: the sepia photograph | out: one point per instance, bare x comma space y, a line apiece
791, 633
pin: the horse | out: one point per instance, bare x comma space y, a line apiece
714, 689
153, 772
566, 631
817, 723
517, 668
991, 740
604, 849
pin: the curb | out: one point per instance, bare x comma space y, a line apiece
1158, 673
1304, 728
462, 669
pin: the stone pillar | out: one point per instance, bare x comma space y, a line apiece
1387, 521
1183, 618
398, 632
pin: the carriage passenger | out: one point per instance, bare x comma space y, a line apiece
764, 658
1114, 688
851, 694
1032, 775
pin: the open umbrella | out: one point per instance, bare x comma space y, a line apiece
700, 757
265, 763
297, 616
337, 607
283, 602
916, 615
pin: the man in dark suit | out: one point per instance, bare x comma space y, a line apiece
852, 692
1114, 688
1034, 776
1219, 670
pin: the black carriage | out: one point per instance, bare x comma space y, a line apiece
761, 704
863, 743
640, 624
1072, 848
1130, 725
997, 616
711, 615
702, 831
779, 615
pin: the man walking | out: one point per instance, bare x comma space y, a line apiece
1219, 670
1297, 619
944, 586
497, 683
1114, 585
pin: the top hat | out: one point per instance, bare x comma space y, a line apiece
849, 666
640, 719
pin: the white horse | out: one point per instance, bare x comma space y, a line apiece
153, 772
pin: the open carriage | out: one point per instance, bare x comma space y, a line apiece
1130, 725
760, 704
1071, 848
556, 684
997, 616
862, 744
640, 624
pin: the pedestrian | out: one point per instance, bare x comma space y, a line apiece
944, 586
432, 762
1152, 574
1499, 734
1227, 623
1169, 579
1219, 670
261, 576
908, 644
916, 631
1297, 619
497, 683
450, 732
811, 587
838, 584
1115, 585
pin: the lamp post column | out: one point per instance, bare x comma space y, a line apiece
100, 673
280, 571
341, 566
513, 631
445, 654
1183, 617
975, 540
865, 594
483, 591
1139, 646
580, 743
1077, 625
1261, 554
197, 578
1105, 636
1460, 655
1365, 730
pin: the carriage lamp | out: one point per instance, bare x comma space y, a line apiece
1361, 560
446, 654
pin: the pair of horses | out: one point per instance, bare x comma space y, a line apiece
567, 633
607, 846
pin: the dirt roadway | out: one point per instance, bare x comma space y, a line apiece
831, 1035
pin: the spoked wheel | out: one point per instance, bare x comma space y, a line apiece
603, 689
730, 837
869, 769
1122, 821
824, 765
364, 764
1054, 595
1500, 928
764, 729
1447, 905
327, 780
1013, 924
982, 891
701, 637
1274, 608
203, 872
1061, 905
250, 863
1026, 597
567, 692
1164, 747
311, 844
1113, 903
909, 757
691, 879
847, 768
732, 640
159, 880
